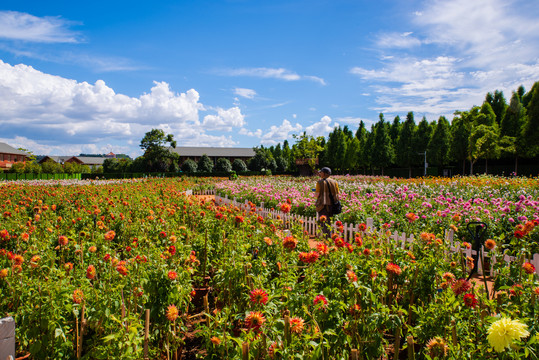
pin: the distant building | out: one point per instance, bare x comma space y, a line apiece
214, 153
9, 156
93, 162
57, 159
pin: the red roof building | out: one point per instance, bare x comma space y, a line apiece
9, 156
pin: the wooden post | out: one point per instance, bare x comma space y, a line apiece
353, 355
206, 308
411, 352
454, 332
146, 333
245, 351
77, 354
205, 257
412, 297
287, 334
81, 335
397, 345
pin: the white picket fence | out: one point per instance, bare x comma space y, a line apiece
310, 224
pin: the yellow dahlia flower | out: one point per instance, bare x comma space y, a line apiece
503, 332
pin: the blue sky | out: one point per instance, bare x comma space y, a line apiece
95, 76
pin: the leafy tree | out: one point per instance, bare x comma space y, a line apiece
71, 167
115, 165
205, 164
382, 150
32, 167
51, 167
238, 165
189, 166
307, 148
483, 144
223, 165
406, 153
157, 155
282, 164
17, 168
440, 142
263, 159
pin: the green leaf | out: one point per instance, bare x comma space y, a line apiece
109, 337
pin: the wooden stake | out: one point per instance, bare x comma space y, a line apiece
77, 354
206, 308
81, 335
287, 334
454, 332
396, 347
411, 352
353, 355
412, 297
245, 351
146, 333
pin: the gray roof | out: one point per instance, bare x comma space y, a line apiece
6, 149
91, 160
58, 159
214, 151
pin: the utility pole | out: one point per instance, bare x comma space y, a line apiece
424, 153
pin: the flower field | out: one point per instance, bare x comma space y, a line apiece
128, 269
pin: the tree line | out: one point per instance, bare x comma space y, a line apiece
494, 130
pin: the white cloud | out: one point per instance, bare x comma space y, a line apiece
321, 128
467, 49
225, 120
350, 120
257, 133
489, 33
50, 110
270, 73
277, 134
246, 93
22, 26
396, 40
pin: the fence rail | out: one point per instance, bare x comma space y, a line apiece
310, 224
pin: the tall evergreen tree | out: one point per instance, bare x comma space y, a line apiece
406, 153
460, 131
361, 130
368, 149
511, 130
351, 159
336, 148
439, 144
531, 127
498, 104
421, 140
382, 152
361, 135
395, 131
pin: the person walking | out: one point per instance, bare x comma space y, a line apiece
326, 194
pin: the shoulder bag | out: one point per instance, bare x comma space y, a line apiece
336, 207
